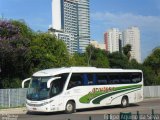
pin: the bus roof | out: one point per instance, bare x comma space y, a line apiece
55, 71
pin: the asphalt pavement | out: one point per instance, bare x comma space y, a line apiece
144, 108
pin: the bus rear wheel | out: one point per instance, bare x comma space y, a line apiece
70, 107
124, 102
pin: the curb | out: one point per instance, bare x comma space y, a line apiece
13, 111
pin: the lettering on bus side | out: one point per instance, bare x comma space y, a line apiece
102, 89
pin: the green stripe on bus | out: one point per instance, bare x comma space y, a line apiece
90, 96
127, 93
99, 99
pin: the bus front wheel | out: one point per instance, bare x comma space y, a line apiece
124, 102
70, 107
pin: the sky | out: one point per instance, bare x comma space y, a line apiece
104, 14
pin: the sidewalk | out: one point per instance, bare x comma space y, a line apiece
13, 111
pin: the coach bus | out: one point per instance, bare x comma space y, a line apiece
69, 89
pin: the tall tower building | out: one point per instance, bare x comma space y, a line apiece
71, 22
83, 25
70, 18
57, 14
106, 41
132, 36
111, 39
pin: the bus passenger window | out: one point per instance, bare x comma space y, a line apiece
75, 80
114, 78
55, 88
90, 78
58, 85
125, 78
101, 79
136, 77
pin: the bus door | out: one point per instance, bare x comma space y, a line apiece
56, 90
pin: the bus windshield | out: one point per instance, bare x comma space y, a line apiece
38, 87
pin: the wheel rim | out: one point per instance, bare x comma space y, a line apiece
69, 107
124, 102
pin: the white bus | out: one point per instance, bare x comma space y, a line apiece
68, 89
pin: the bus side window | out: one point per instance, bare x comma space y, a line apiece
101, 79
75, 80
125, 78
136, 77
90, 79
114, 78
55, 88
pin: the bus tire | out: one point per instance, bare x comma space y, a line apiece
70, 107
124, 102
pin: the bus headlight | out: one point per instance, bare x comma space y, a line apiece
45, 103
38, 105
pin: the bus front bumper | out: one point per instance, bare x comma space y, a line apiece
41, 107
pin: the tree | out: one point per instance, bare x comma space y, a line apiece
47, 52
133, 64
157, 80
96, 57
24, 30
126, 51
23, 52
8, 31
78, 59
149, 76
89, 52
14, 52
154, 61
118, 60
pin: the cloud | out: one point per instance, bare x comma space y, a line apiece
123, 20
149, 26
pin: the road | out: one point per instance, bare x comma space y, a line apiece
144, 107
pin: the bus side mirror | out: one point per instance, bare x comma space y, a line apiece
50, 80
25, 81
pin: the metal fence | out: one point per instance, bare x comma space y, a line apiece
16, 97
151, 91
12, 97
